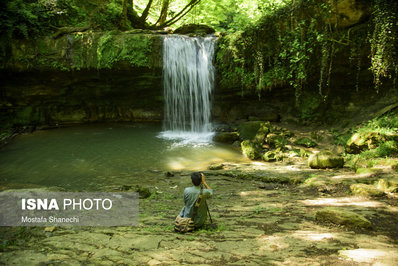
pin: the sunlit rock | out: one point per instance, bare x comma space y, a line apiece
366, 190
251, 149
345, 218
325, 159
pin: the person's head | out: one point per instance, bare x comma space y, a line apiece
196, 178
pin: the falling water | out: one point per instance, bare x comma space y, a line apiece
188, 78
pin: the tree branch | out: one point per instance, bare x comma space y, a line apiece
146, 11
180, 14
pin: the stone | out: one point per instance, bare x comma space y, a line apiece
306, 142
251, 150
248, 130
169, 174
197, 29
50, 229
226, 137
361, 141
143, 192
272, 156
366, 190
276, 141
154, 262
216, 167
325, 159
349, 219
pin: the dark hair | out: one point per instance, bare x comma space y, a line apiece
196, 178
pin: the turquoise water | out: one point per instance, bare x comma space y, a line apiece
94, 156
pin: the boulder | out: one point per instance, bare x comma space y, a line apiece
248, 130
216, 167
345, 218
226, 137
197, 29
276, 140
306, 142
361, 141
272, 156
366, 190
251, 149
325, 159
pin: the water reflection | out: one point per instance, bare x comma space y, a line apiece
96, 155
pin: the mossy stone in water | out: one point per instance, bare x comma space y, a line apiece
366, 190
226, 137
251, 149
325, 159
345, 218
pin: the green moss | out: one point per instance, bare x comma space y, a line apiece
113, 48
306, 142
251, 150
325, 159
366, 190
226, 137
271, 156
345, 218
248, 130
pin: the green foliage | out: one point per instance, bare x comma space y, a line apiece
306, 142
276, 51
384, 41
385, 126
26, 19
134, 49
108, 16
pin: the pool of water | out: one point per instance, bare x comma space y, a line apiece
93, 156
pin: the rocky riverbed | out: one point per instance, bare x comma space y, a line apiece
266, 213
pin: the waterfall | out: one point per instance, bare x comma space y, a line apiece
188, 80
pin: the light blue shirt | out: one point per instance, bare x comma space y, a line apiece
190, 196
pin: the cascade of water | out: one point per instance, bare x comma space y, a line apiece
188, 80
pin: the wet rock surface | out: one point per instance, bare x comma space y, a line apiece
265, 213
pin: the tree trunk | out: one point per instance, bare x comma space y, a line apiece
123, 23
163, 12
146, 11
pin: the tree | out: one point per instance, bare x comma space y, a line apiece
130, 18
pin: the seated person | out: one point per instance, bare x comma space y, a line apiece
191, 194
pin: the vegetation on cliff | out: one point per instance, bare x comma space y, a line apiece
305, 46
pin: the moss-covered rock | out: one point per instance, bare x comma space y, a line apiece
325, 159
196, 29
361, 141
248, 130
272, 156
306, 142
216, 167
344, 218
251, 149
388, 184
366, 190
276, 140
226, 137
84, 50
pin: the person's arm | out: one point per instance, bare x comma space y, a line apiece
204, 181
208, 192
